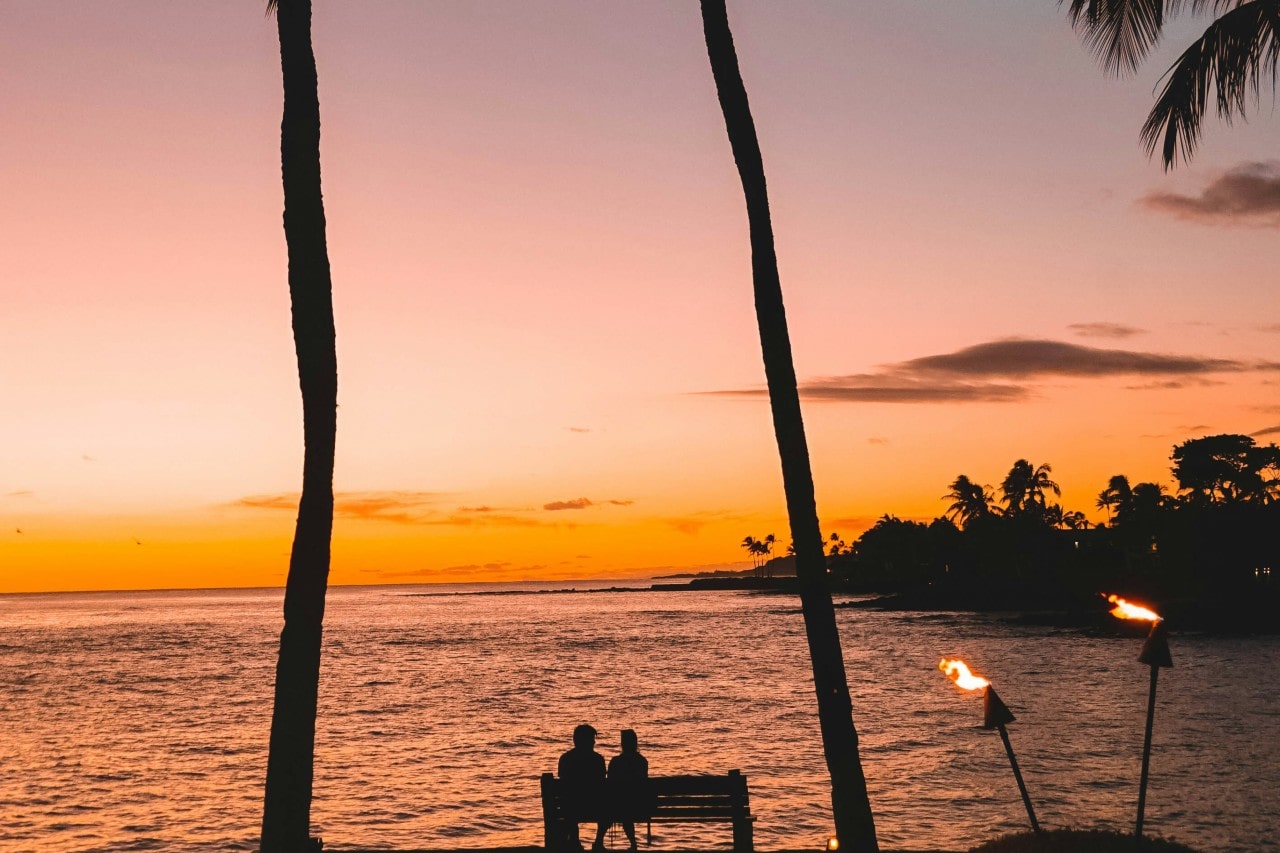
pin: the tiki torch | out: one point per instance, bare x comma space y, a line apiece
1155, 654
995, 715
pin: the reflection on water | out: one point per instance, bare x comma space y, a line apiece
139, 721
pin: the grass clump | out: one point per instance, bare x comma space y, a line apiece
1079, 841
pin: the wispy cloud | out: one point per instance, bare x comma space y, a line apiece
583, 503
20, 493
578, 429
488, 519
1105, 330
401, 507
878, 440
1175, 384
478, 567
284, 501
999, 372
1271, 430
693, 522
1248, 194
576, 503
473, 569
688, 526
849, 527
904, 388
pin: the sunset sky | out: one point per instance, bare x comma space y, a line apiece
548, 361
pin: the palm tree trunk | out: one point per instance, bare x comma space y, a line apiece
286, 815
855, 827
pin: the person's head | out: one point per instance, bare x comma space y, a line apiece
584, 737
629, 741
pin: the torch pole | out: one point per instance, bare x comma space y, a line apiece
1155, 654
1146, 750
1022, 786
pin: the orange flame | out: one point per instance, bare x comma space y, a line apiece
1125, 610
959, 672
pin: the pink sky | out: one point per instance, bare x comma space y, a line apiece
541, 273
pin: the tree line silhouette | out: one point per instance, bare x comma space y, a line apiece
1207, 552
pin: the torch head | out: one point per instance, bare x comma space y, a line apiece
994, 712
1155, 651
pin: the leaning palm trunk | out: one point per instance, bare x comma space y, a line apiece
286, 814
855, 827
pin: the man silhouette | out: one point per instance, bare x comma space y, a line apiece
582, 773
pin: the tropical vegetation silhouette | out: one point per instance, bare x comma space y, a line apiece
759, 549
855, 827
286, 813
1237, 48
1207, 551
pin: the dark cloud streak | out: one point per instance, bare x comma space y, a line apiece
1248, 194
582, 503
981, 373
1020, 357
1105, 330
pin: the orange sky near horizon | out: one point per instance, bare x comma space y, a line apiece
547, 350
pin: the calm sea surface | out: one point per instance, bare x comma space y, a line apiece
139, 721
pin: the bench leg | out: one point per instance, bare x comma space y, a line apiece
743, 837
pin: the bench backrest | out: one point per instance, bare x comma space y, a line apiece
676, 797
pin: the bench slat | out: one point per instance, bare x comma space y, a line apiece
708, 802
686, 813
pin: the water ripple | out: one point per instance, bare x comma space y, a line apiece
139, 721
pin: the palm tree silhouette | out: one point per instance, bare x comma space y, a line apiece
1074, 520
855, 827
1116, 495
286, 812
1024, 487
1231, 55
766, 549
969, 501
837, 544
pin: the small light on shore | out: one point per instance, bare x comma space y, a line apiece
833, 844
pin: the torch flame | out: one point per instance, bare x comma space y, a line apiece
958, 672
1125, 610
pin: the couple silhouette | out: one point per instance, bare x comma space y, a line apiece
619, 794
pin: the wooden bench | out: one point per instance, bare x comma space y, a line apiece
675, 799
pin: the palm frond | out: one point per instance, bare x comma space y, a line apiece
1232, 55
1120, 32
271, 7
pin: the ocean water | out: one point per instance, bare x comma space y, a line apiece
139, 721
